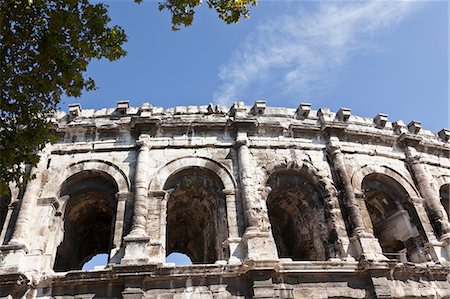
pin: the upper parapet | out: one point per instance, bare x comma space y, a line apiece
304, 116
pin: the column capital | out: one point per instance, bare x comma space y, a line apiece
143, 142
157, 193
333, 145
241, 138
229, 191
123, 196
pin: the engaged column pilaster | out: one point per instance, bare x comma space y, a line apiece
136, 243
27, 207
436, 212
365, 244
260, 244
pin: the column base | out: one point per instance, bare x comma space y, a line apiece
368, 248
136, 250
439, 251
237, 251
13, 257
260, 245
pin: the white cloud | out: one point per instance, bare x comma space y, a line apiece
305, 47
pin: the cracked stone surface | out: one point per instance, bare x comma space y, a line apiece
268, 202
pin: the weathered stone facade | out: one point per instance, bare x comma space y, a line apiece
267, 203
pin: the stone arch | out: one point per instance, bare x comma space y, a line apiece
158, 181
196, 191
363, 171
318, 177
300, 202
393, 218
213, 183
121, 179
442, 180
55, 182
443, 188
89, 214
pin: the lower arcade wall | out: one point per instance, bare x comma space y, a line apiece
267, 203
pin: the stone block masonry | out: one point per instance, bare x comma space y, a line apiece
266, 202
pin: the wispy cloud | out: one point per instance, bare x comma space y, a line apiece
298, 52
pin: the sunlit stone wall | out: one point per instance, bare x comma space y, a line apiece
266, 202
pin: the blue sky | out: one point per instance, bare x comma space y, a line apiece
372, 57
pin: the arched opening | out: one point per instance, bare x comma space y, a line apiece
98, 261
5, 200
444, 193
179, 259
88, 219
196, 215
298, 218
394, 220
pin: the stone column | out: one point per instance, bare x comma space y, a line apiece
233, 240
365, 244
141, 191
156, 227
432, 201
260, 244
136, 243
118, 226
251, 205
337, 157
230, 199
27, 207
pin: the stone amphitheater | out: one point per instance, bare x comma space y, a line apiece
266, 202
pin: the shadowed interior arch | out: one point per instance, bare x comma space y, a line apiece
298, 218
196, 215
5, 200
444, 193
394, 220
88, 219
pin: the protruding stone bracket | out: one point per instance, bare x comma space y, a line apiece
146, 110
328, 123
238, 110
74, 110
414, 126
399, 127
380, 120
444, 134
303, 110
122, 107
324, 114
344, 114
211, 109
259, 107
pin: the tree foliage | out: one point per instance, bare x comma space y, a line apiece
45, 48
182, 11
